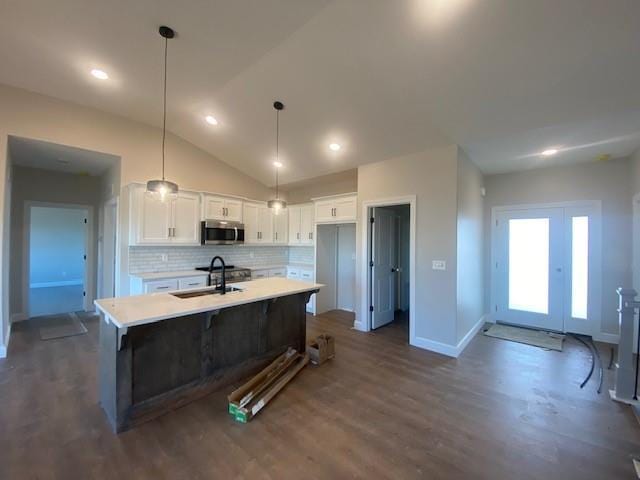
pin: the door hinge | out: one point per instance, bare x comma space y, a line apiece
371, 308
371, 264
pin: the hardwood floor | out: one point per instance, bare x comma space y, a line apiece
380, 409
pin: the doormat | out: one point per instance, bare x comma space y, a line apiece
537, 338
62, 325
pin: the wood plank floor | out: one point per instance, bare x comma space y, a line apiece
380, 409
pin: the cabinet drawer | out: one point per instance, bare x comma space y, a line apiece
306, 275
192, 282
278, 272
255, 274
161, 286
293, 272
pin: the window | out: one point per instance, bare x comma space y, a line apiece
529, 264
579, 266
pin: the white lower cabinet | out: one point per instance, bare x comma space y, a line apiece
160, 286
192, 282
139, 286
306, 275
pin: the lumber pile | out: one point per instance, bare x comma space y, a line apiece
246, 401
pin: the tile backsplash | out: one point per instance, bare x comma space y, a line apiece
149, 259
301, 255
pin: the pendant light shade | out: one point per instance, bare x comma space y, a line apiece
164, 187
277, 204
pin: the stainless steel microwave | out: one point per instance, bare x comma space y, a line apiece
221, 232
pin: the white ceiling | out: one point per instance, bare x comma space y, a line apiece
503, 79
27, 152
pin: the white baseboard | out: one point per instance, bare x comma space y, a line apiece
434, 346
18, 317
359, 326
462, 344
5, 347
445, 348
607, 338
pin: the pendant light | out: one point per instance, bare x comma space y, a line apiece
276, 204
164, 187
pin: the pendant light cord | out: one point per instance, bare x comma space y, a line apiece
164, 104
277, 148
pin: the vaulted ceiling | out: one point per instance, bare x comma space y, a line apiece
503, 79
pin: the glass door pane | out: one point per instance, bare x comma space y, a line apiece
528, 288
579, 266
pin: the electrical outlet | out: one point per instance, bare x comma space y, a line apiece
164, 257
439, 265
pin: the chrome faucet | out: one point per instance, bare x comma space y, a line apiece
223, 284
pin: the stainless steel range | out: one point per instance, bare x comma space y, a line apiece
232, 274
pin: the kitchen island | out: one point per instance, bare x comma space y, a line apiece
160, 351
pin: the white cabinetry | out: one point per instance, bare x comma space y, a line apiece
258, 223
306, 275
159, 284
220, 208
338, 209
301, 225
268, 273
281, 227
170, 221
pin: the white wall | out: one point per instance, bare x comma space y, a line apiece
470, 275
610, 182
432, 177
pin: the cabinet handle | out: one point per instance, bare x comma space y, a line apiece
276, 235
310, 235
298, 236
162, 288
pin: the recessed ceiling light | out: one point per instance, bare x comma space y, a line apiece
334, 147
211, 120
549, 152
277, 164
100, 74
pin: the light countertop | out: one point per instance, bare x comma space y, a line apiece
174, 274
281, 265
141, 309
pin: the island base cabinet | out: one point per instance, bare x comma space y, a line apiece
148, 370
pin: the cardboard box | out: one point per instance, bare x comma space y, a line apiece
321, 349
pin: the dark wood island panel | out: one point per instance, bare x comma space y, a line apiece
148, 370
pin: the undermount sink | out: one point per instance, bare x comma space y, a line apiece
209, 291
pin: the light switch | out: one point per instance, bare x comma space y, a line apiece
439, 265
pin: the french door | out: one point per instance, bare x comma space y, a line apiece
542, 268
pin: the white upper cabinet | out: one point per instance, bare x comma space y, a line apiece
172, 221
186, 219
339, 209
258, 223
220, 208
281, 227
301, 224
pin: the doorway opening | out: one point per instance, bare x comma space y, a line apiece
336, 267
58, 243
390, 268
546, 264
388, 253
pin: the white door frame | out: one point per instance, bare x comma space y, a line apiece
363, 320
109, 229
635, 245
89, 270
595, 276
